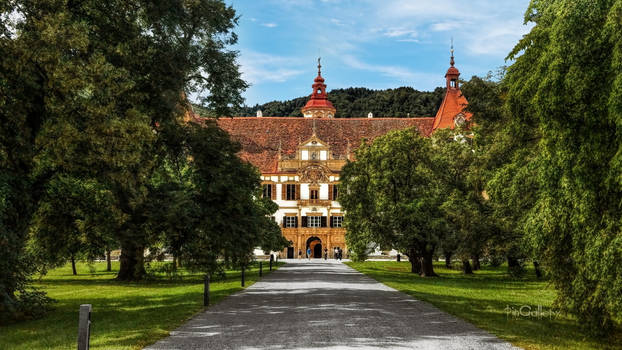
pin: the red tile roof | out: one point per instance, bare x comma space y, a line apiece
453, 104
260, 137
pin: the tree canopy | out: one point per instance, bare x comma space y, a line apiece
560, 133
356, 103
392, 197
94, 150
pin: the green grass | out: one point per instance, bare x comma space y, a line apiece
482, 299
124, 316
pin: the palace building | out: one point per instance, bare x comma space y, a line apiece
300, 159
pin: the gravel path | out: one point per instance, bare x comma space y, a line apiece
325, 304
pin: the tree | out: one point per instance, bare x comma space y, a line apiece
94, 91
74, 219
356, 103
463, 205
564, 94
392, 198
231, 217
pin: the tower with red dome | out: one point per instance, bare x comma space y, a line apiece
451, 113
318, 105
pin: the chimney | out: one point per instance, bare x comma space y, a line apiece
259, 113
370, 115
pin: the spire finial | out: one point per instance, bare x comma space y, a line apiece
451, 61
319, 66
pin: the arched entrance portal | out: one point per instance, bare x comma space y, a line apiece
316, 247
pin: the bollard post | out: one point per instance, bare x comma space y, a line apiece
84, 327
260, 269
206, 291
242, 276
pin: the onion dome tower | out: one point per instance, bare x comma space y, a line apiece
451, 112
318, 105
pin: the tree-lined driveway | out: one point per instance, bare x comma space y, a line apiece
325, 304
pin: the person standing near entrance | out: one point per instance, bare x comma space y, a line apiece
309, 253
336, 253
299, 254
325, 253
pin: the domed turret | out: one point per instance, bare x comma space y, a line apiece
451, 113
318, 105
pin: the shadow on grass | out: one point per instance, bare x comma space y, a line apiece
125, 315
492, 300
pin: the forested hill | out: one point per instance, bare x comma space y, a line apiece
357, 103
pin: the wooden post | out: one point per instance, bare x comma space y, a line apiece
84, 327
206, 291
242, 276
260, 269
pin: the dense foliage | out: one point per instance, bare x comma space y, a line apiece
358, 102
94, 153
560, 136
392, 196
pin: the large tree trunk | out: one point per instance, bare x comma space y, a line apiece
108, 261
476, 265
466, 267
415, 263
536, 267
174, 262
513, 262
427, 265
73, 265
132, 263
448, 260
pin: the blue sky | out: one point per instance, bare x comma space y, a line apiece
376, 44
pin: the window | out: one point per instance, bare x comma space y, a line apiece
267, 191
314, 194
335, 192
314, 221
337, 221
290, 221
291, 192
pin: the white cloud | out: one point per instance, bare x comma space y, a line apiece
259, 67
402, 74
336, 21
269, 24
445, 26
400, 32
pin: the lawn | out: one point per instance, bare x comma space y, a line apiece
125, 315
483, 299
